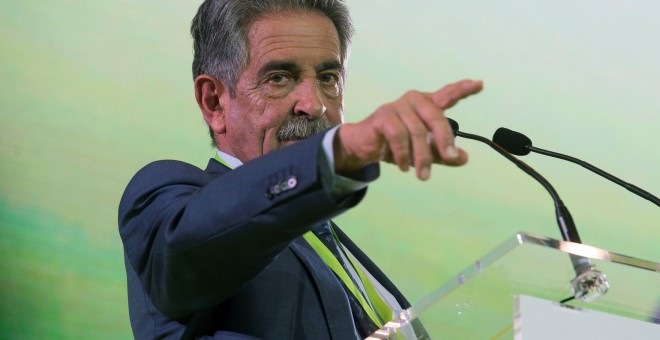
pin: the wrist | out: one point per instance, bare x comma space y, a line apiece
346, 160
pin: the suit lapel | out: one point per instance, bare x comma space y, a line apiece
216, 168
333, 298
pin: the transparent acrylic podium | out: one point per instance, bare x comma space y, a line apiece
479, 302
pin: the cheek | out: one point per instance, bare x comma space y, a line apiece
335, 109
244, 121
261, 123
249, 109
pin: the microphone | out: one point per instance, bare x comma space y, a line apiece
589, 283
520, 145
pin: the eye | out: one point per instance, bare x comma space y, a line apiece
279, 79
329, 79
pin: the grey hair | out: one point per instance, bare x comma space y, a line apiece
219, 30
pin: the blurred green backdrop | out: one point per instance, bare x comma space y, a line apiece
93, 90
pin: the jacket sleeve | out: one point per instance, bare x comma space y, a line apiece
194, 239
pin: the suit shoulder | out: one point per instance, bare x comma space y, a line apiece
168, 167
159, 174
163, 172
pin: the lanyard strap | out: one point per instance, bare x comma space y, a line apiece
383, 310
336, 267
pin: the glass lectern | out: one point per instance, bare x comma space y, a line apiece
479, 302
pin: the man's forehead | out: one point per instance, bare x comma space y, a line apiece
292, 32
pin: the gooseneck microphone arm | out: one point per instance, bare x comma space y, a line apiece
564, 219
630, 187
520, 145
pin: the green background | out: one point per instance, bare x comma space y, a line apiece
92, 90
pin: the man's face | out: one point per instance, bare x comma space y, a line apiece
291, 87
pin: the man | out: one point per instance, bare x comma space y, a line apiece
245, 248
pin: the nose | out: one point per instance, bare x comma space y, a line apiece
309, 101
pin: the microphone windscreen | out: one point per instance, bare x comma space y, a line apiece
454, 125
512, 141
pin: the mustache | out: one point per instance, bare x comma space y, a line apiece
302, 127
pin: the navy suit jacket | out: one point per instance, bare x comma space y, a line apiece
215, 253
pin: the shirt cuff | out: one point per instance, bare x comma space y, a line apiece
339, 185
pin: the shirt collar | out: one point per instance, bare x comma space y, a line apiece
230, 160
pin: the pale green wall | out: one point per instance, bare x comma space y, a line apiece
90, 91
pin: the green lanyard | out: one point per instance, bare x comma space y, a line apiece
380, 312
384, 311
379, 306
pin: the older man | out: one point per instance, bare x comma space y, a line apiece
246, 248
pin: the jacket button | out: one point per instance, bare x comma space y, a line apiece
291, 182
275, 189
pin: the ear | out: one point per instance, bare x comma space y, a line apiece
211, 94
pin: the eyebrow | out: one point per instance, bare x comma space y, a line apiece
278, 65
330, 65
295, 68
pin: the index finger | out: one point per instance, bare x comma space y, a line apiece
451, 94
445, 98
